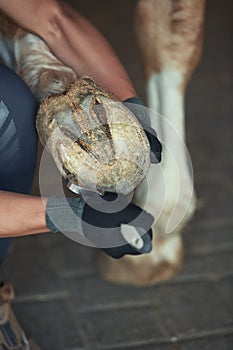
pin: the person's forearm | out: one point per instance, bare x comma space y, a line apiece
21, 214
78, 44
74, 40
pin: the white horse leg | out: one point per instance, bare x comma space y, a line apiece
170, 38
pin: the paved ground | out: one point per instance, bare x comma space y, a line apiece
61, 300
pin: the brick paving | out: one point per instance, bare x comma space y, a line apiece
64, 304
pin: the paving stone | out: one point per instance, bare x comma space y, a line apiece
215, 208
50, 324
68, 256
218, 177
202, 241
154, 346
122, 327
225, 289
91, 293
220, 343
213, 265
30, 271
193, 308
181, 308
214, 190
27, 242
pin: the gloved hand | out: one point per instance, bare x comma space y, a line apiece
103, 221
144, 119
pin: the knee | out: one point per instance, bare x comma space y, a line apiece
16, 95
19, 102
20, 111
18, 133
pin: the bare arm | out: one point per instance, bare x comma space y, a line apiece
74, 40
21, 215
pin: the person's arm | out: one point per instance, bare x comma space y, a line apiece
74, 40
21, 214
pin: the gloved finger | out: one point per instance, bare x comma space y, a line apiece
102, 214
127, 231
143, 245
136, 106
137, 217
155, 146
105, 208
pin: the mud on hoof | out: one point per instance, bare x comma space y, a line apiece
162, 263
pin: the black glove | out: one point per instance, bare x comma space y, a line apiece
144, 119
106, 214
100, 221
